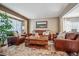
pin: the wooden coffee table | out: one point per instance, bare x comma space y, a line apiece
41, 41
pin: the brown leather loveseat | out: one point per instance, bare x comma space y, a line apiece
69, 44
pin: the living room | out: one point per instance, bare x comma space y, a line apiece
39, 29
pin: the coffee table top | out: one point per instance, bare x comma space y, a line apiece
38, 38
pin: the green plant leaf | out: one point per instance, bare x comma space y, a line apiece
5, 26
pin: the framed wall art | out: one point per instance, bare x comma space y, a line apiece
41, 24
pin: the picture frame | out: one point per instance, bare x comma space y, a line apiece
41, 24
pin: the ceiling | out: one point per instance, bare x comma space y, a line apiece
37, 10
74, 12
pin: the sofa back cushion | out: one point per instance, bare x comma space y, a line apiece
71, 36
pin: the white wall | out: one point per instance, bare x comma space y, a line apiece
52, 24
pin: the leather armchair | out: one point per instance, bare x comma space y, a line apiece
52, 36
11, 40
15, 40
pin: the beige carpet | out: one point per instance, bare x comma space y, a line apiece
21, 50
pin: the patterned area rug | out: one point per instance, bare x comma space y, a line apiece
21, 50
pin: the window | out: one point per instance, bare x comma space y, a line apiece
71, 25
17, 25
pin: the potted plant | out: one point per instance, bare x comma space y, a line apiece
5, 26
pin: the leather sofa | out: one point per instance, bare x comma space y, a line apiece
70, 44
